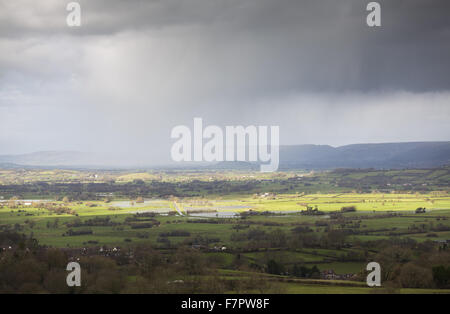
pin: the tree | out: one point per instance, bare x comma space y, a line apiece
413, 276
391, 258
275, 268
139, 200
315, 272
13, 202
441, 276
420, 210
347, 209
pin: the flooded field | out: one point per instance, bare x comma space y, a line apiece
146, 203
214, 215
218, 208
158, 211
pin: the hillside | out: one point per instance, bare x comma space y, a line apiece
379, 156
385, 155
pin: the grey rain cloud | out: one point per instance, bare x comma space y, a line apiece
135, 69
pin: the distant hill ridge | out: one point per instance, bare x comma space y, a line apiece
379, 156
383, 155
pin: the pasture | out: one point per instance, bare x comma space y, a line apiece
240, 222
284, 210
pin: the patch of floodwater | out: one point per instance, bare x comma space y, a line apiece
278, 211
37, 201
26, 202
156, 211
217, 207
214, 215
230, 214
128, 204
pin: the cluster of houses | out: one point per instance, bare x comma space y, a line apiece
443, 244
265, 195
90, 251
331, 275
206, 248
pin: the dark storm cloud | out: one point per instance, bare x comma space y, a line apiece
135, 69
303, 45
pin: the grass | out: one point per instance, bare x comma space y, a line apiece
238, 192
404, 204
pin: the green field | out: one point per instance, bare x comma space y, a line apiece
280, 231
288, 207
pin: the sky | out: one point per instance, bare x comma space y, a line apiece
135, 69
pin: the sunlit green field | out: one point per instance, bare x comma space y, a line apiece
363, 202
288, 206
319, 286
215, 217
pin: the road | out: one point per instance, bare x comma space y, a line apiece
178, 210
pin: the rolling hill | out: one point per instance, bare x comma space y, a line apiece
385, 155
379, 156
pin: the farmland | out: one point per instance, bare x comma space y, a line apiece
288, 232
381, 214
